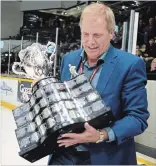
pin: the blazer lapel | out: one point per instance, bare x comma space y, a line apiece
107, 69
77, 62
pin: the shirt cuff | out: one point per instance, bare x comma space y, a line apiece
111, 135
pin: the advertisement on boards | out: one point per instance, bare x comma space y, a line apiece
8, 90
24, 91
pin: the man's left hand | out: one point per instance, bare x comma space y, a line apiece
89, 135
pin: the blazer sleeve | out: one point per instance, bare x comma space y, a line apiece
134, 104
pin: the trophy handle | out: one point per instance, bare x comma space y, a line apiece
16, 66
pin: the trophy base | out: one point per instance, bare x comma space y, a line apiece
49, 142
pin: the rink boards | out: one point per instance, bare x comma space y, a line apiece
12, 95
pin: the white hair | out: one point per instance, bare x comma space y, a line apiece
100, 10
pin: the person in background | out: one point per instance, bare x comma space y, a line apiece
151, 49
153, 65
149, 31
150, 54
140, 36
138, 51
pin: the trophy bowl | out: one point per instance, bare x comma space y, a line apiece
35, 61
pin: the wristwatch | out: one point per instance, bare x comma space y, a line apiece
102, 137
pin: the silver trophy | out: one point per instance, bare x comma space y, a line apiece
54, 107
36, 61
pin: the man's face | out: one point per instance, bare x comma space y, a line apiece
95, 36
151, 41
151, 21
137, 47
140, 22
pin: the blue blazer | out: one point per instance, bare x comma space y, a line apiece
122, 87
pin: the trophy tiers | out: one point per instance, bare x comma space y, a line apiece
55, 108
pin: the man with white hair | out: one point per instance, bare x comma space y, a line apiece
120, 79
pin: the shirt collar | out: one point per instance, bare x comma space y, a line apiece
100, 60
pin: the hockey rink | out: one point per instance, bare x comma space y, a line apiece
9, 145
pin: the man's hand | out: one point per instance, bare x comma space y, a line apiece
89, 135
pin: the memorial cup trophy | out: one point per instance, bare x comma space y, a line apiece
54, 107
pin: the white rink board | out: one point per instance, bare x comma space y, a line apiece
8, 90
9, 145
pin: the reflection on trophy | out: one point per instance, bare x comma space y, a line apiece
54, 107
35, 61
